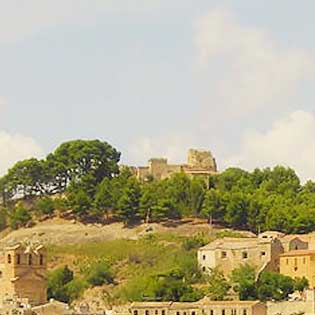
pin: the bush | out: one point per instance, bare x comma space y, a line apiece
19, 217
3, 218
75, 288
57, 284
194, 242
45, 206
99, 274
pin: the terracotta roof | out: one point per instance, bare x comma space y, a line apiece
302, 252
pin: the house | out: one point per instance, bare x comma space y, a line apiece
204, 306
230, 253
299, 263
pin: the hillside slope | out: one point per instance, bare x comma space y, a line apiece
59, 231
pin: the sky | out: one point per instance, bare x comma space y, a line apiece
155, 78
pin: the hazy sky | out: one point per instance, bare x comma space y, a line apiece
156, 77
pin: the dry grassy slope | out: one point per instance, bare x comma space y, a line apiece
59, 231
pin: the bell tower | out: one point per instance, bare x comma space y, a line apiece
23, 273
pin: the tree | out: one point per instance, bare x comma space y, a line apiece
214, 205
244, 282
80, 202
128, 204
19, 217
25, 179
218, 285
103, 202
76, 159
3, 218
57, 284
99, 273
236, 210
45, 206
301, 284
197, 194
274, 286
178, 192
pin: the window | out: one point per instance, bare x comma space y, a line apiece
203, 268
304, 260
244, 255
223, 312
223, 255
41, 259
135, 312
204, 257
193, 313
18, 259
295, 261
147, 312
163, 312
245, 312
156, 312
177, 313
287, 261
9, 259
30, 259
263, 254
211, 312
233, 311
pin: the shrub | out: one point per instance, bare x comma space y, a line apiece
3, 218
75, 288
19, 217
45, 206
58, 280
99, 274
194, 242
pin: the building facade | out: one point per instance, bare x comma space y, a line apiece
229, 253
23, 273
299, 263
202, 307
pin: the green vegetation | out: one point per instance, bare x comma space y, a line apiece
152, 268
86, 175
243, 280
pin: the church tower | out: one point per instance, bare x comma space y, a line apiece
22, 273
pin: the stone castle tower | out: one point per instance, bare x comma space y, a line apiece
23, 273
199, 163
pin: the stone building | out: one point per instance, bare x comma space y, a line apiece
304, 304
230, 253
202, 307
299, 263
22, 273
199, 163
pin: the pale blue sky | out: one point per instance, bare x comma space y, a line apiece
157, 77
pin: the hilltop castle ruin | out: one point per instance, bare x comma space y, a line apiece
199, 163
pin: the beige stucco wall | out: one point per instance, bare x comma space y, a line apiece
289, 308
299, 266
262, 255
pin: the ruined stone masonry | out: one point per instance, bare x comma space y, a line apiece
199, 163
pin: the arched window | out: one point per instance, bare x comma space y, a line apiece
41, 259
9, 259
30, 259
